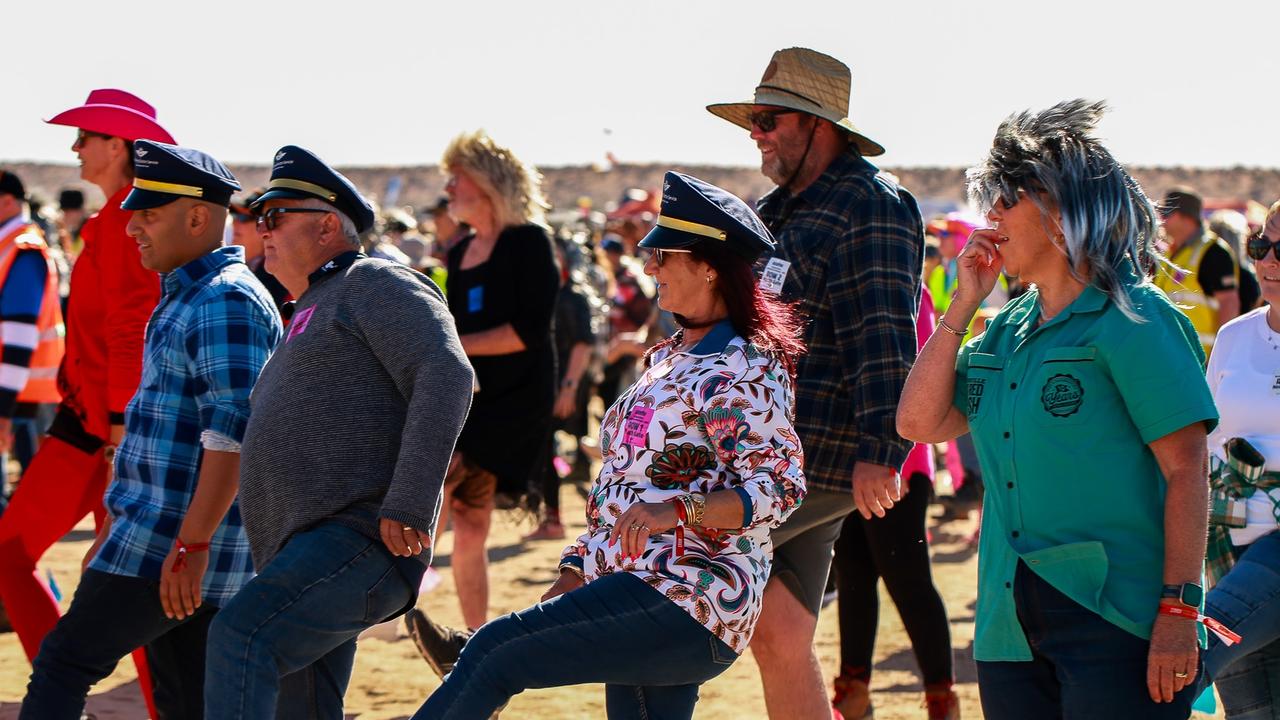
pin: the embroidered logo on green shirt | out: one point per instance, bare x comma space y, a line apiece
1062, 395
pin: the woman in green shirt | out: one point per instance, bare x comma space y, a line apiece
1087, 402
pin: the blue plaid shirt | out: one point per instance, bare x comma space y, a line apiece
206, 342
855, 241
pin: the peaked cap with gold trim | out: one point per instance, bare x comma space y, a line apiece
163, 173
296, 174
695, 211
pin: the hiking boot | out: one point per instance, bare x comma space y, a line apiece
439, 645
942, 704
546, 530
852, 699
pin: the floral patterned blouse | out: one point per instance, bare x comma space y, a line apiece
717, 417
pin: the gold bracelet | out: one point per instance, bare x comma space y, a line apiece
942, 324
699, 502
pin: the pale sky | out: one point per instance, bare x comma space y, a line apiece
377, 82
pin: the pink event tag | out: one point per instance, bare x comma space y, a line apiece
300, 322
636, 429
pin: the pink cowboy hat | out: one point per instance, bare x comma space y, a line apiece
117, 113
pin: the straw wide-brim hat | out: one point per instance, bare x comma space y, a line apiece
805, 80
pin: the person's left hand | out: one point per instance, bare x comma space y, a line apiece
402, 540
180, 591
638, 523
1174, 650
566, 402
875, 488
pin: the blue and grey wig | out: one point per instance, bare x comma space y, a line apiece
1108, 223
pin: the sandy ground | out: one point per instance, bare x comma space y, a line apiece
390, 680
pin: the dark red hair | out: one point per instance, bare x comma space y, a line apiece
773, 326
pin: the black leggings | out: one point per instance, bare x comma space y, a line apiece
894, 548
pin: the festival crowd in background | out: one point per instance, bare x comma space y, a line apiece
275, 400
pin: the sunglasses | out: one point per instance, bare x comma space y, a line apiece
268, 220
660, 256
1259, 246
84, 135
1007, 201
243, 217
767, 120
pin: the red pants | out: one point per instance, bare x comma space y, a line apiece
62, 485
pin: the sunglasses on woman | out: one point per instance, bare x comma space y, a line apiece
1259, 245
767, 120
83, 135
269, 219
660, 256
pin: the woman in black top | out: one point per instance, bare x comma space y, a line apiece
503, 280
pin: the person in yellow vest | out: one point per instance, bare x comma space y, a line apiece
1203, 279
31, 329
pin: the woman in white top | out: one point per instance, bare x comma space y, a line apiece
1244, 375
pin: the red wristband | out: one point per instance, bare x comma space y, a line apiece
1224, 633
180, 563
681, 519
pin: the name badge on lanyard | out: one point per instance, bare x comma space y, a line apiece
774, 275
475, 299
635, 431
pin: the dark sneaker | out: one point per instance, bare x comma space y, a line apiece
439, 645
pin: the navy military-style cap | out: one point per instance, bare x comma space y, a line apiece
695, 211
163, 173
297, 174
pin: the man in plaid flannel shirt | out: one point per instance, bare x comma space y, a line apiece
173, 549
850, 251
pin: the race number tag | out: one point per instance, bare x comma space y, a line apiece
774, 275
636, 429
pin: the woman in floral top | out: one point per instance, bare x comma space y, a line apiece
662, 591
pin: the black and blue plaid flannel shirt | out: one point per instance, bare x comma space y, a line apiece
855, 242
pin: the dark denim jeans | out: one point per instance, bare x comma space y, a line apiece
650, 654
1247, 600
109, 617
284, 646
1083, 667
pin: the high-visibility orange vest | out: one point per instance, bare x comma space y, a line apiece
42, 383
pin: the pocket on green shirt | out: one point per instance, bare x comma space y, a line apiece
1077, 570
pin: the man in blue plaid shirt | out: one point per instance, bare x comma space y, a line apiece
850, 247
173, 549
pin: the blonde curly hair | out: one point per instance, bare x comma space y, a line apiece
513, 187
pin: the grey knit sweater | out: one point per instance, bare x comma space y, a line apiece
355, 416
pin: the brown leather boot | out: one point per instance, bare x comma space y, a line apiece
852, 699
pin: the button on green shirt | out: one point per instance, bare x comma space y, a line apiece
1062, 416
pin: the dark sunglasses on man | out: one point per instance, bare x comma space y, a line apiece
767, 120
1259, 245
269, 219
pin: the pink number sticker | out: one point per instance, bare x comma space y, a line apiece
300, 322
636, 429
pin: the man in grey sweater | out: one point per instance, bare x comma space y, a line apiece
353, 423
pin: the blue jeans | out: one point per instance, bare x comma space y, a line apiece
110, 616
650, 654
1247, 600
1082, 666
284, 646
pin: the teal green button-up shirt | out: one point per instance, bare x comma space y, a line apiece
1062, 416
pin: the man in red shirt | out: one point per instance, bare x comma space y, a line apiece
112, 297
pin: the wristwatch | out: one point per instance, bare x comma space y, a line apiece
1189, 594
